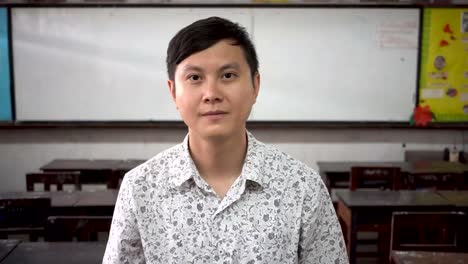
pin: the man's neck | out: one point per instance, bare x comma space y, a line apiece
219, 161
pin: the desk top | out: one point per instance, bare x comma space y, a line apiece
6, 246
56, 252
96, 198
416, 257
129, 164
24, 195
437, 167
345, 166
458, 198
68, 199
57, 199
410, 167
91, 164
64, 199
81, 164
400, 199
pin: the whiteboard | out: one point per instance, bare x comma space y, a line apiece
98, 64
316, 64
343, 64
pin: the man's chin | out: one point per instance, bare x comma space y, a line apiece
217, 133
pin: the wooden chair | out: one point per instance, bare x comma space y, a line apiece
429, 231
23, 216
80, 228
378, 178
375, 178
58, 178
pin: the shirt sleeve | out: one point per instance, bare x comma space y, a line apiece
124, 244
321, 239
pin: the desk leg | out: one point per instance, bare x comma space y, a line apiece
113, 179
352, 238
349, 219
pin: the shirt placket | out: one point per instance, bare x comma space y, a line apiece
221, 228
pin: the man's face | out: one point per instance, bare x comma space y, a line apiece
213, 90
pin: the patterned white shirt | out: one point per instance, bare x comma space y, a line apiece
277, 211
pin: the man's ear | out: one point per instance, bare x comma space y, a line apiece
256, 84
172, 89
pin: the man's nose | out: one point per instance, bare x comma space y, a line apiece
212, 92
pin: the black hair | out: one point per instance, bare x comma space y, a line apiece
203, 34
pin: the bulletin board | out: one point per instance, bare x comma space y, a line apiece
444, 64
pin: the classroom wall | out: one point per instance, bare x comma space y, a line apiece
25, 150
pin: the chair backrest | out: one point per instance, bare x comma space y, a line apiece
80, 228
429, 231
375, 177
425, 155
58, 178
437, 181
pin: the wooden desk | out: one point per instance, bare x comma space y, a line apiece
23, 214
41, 205
92, 171
90, 203
338, 172
56, 252
107, 171
421, 257
376, 207
6, 246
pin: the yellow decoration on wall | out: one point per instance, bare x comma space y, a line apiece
444, 64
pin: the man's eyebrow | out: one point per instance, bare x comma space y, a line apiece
190, 67
233, 65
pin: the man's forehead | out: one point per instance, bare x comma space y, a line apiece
221, 53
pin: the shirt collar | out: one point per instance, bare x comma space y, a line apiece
184, 169
254, 161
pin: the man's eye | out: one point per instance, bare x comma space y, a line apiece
194, 77
229, 75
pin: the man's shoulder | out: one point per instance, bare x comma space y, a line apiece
274, 156
156, 168
289, 170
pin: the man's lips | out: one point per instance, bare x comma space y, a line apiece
214, 113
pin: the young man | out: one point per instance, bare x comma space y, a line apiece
221, 196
